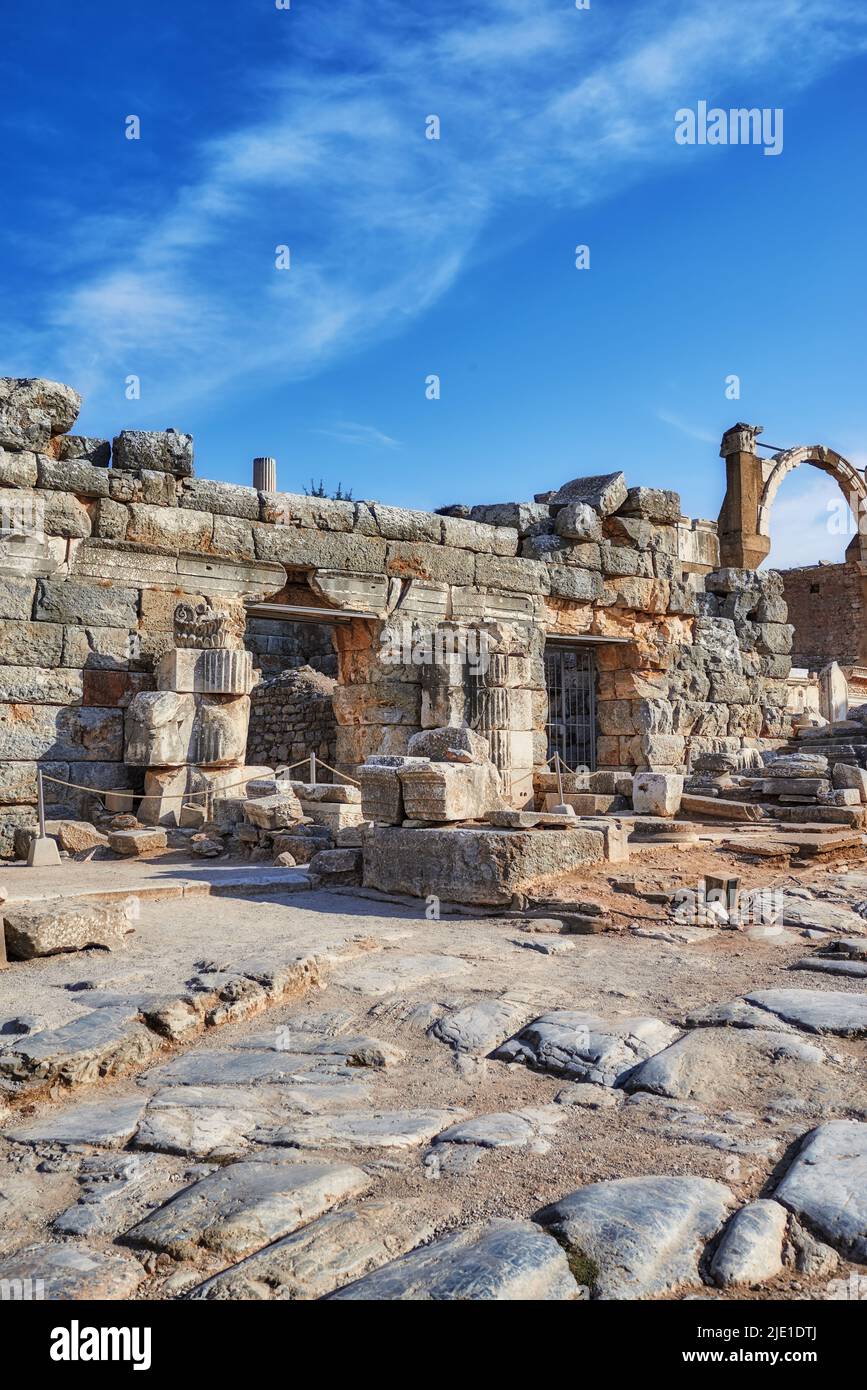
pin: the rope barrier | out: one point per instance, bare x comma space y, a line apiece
189, 796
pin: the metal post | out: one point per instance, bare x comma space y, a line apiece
559, 776
41, 797
313, 769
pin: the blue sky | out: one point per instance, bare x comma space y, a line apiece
305, 127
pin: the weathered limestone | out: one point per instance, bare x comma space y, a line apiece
339, 1247
33, 409
751, 1248
72, 1273
159, 729
639, 1237
206, 672
47, 930
134, 843
275, 812
473, 866
503, 1261
239, 1209
587, 1047
604, 492
657, 794
449, 791
826, 1186
162, 451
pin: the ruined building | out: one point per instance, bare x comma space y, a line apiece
595, 621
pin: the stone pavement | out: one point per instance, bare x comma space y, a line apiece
316, 1095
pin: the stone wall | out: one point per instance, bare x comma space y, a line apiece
826, 609
279, 646
101, 541
292, 716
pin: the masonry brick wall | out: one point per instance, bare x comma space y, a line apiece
826, 609
278, 646
291, 716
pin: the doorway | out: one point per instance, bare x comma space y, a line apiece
570, 677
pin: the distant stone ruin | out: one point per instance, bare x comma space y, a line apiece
130, 589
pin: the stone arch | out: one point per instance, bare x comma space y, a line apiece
845, 474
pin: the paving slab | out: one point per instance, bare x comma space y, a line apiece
718, 1066
69, 1273
339, 1247
751, 1247
223, 1067
504, 1261
100, 1043
639, 1237
362, 1129
531, 1128
826, 1186
587, 1046
816, 1010
245, 1206
481, 1026
392, 972
106, 1124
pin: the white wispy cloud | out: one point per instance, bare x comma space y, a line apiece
538, 101
350, 432
668, 417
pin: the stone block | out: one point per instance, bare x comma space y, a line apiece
83, 446
164, 451
98, 648
844, 776
221, 499
474, 866
86, 604
652, 503
17, 469
659, 750
334, 816
518, 516
578, 521
34, 686
170, 529
30, 644
50, 929
381, 795
134, 843
438, 744
467, 534
16, 598
159, 729
71, 475
33, 409
219, 735
218, 672
567, 581
657, 793
513, 574
450, 792
275, 812
112, 519
305, 549
30, 733
77, 836
604, 492
335, 792
165, 792
344, 864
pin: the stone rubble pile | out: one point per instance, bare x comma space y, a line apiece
812, 782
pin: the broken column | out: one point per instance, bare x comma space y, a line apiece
191, 733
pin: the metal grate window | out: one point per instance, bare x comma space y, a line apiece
570, 675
